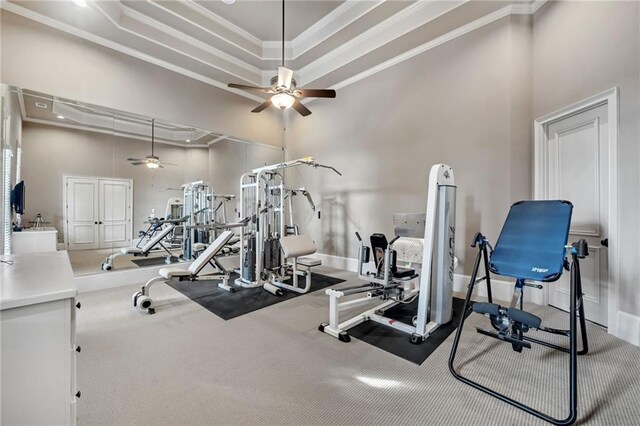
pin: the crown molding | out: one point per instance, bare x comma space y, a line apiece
137, 16
408, 19
45, 20
221, 21
253, 42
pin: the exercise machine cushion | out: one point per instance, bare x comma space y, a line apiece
150, 244
198, 247
297, 246
532, 242
403, 272
309, 262
131, 250
169, 273
486, 308
211, 251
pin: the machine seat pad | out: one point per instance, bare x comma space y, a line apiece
131, 250
404, 273
297, 246
199, 247
173, 272
309, 261
233, 241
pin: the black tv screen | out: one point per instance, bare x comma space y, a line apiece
17, 198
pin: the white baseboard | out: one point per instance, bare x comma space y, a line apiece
115, 278
628, 328
501, 289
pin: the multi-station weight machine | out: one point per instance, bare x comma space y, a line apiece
391, 285
205, 210
267, 203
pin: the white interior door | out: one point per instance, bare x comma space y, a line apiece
577, 170
82, 214
114, 220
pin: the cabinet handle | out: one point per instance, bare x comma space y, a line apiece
95, 223
78, 349
78, 305
78, 394
100, 223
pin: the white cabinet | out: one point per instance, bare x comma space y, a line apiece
38, 340
33, 240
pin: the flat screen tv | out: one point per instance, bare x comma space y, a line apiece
17, 198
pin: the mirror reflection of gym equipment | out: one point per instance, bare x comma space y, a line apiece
244, 212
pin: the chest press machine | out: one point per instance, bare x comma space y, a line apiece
393, 285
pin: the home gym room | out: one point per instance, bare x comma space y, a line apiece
320, 212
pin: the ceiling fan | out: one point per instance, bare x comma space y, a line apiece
151, 161
284, 90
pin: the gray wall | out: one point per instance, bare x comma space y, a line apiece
579, 50
50, 152
229, 160
40, 58
465, 103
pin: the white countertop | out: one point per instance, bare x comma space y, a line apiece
36, 278
33, 229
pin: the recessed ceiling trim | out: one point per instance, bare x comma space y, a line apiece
133, 14
253, 42
34, 16
332, 23
121, 24
221, 21
111, 133
408, 19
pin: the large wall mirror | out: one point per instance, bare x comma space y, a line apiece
94, 178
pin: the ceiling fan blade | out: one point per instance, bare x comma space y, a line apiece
138, 163
162, 163
134, 159
316, 93
262, 106
302, 110
285, 75
244, 87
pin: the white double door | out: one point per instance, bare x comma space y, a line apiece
577, 169
98, 212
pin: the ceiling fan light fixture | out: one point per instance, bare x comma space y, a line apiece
81, 3
282, 100
228, 1
152, 165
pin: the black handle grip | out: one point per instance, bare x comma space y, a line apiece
605, 242
78, 349
358, 236
394, 240
78, 394
78, 305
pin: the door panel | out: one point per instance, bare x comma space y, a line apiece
82, 207
577, 170
115, 213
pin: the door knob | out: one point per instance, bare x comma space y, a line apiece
605, 242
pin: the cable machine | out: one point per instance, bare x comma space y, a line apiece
266, 202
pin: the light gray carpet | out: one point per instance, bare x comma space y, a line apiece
186, 366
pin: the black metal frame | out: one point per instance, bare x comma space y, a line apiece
578, 250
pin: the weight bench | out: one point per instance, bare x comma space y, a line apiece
226, 251
532, 248
107, 265
294, 247
141, 299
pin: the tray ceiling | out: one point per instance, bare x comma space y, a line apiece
329, 43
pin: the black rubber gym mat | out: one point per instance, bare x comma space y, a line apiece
397, 342
152, 261
230, 305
